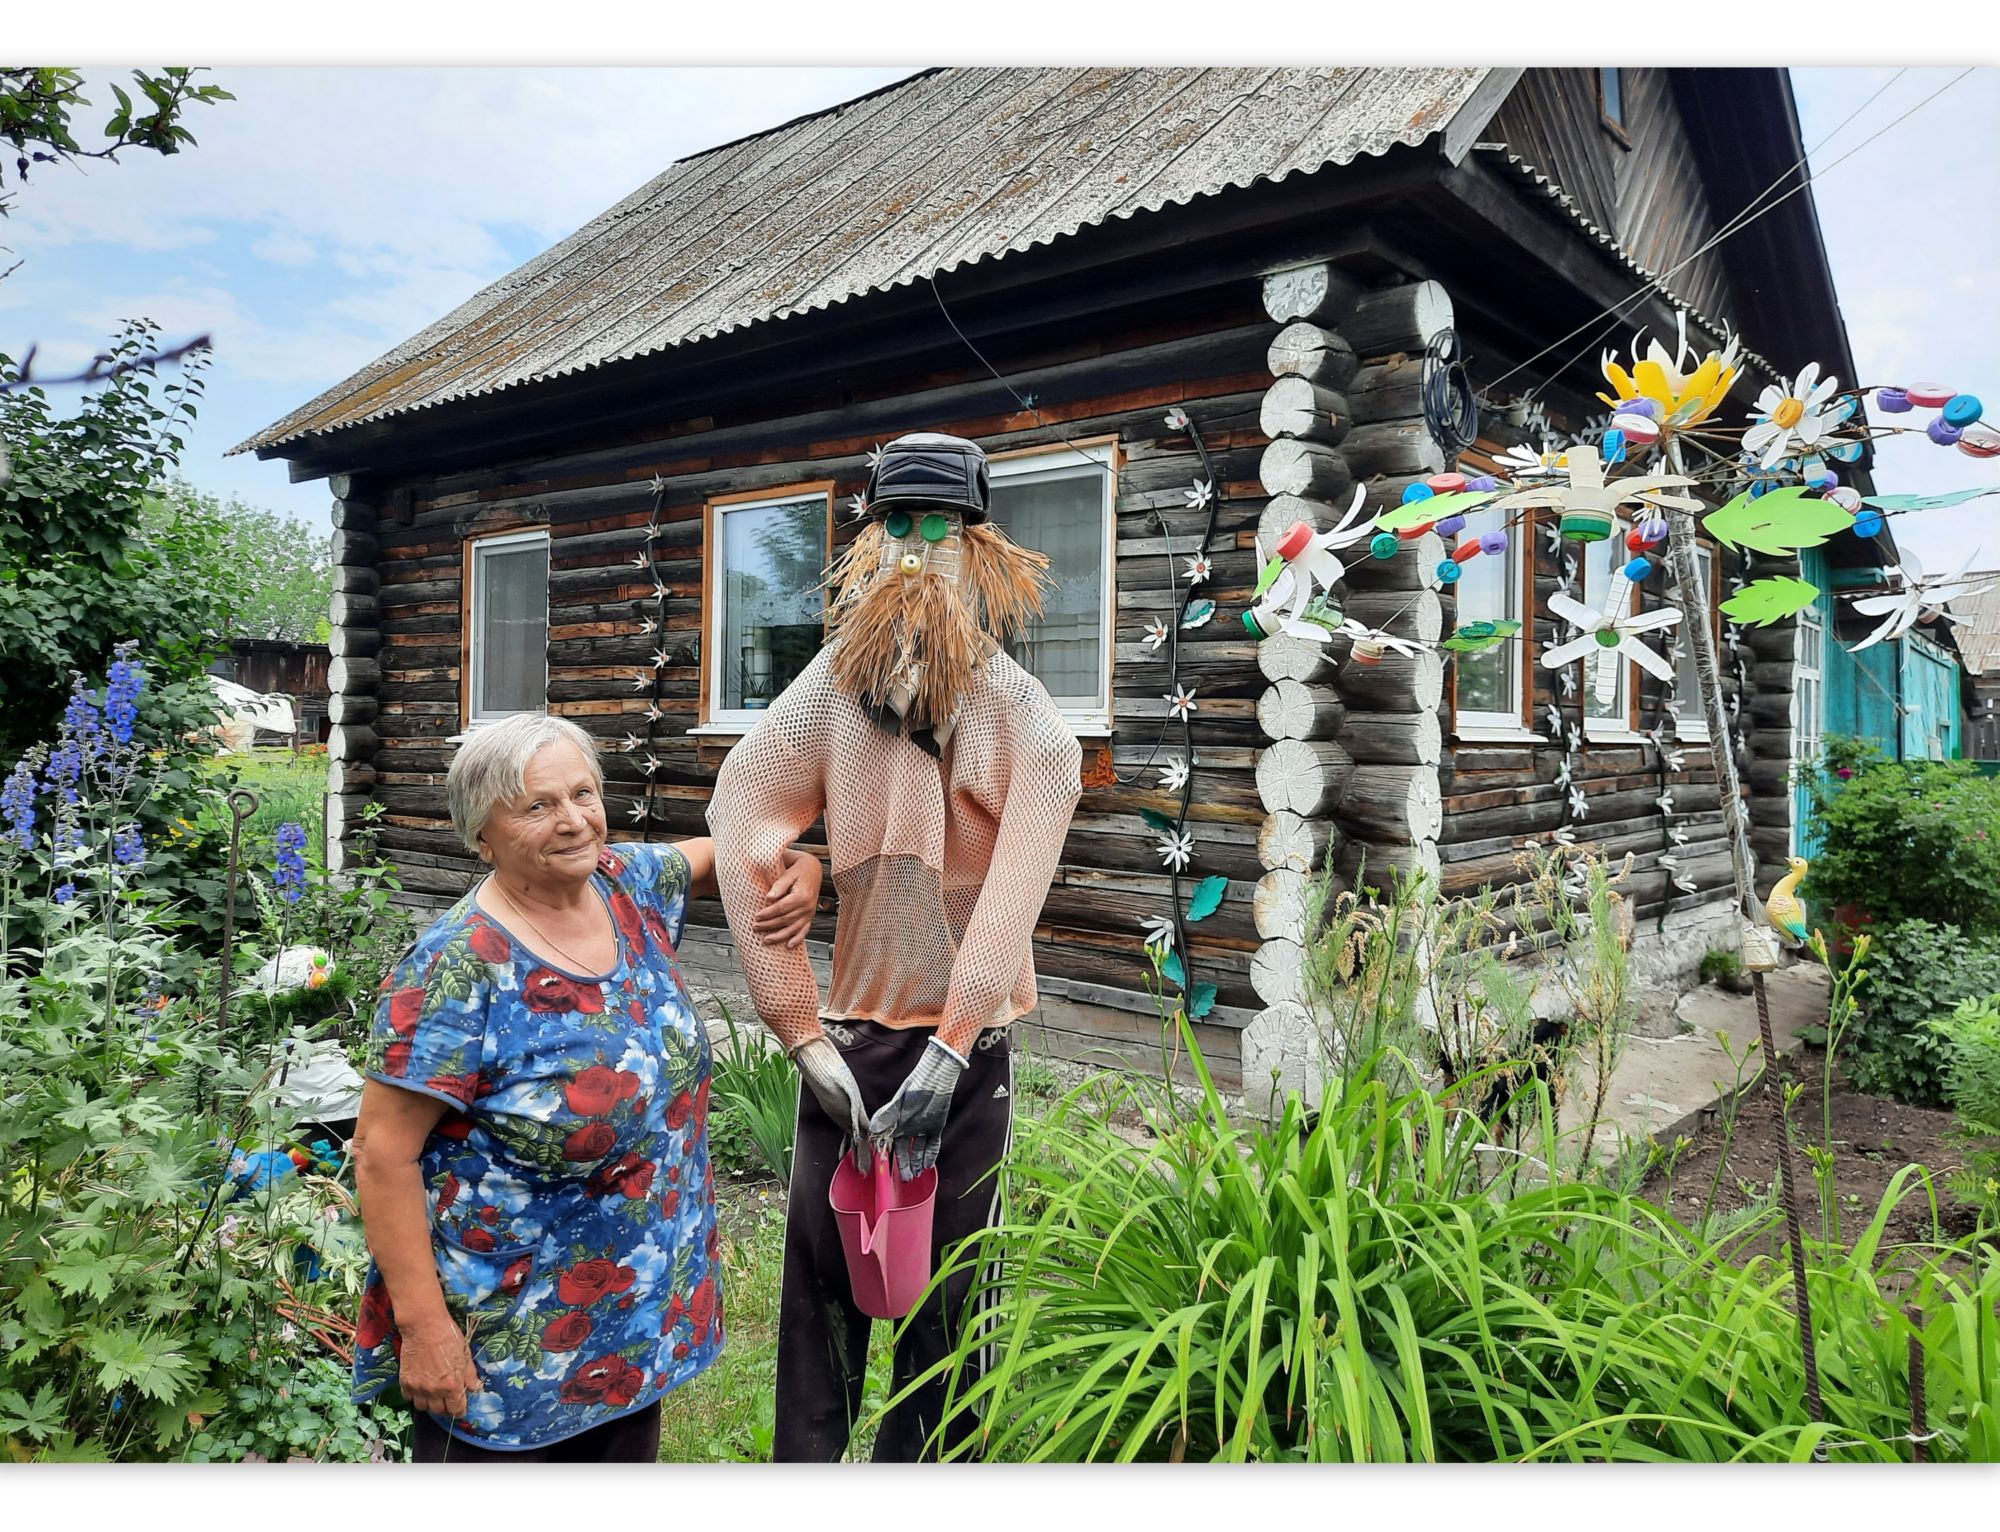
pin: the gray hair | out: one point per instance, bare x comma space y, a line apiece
492, 766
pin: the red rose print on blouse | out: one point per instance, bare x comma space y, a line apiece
597, 1090
587, 1281
552, 994
626, 913
609, 1380
406, 1009
567, 1331
377, 1321
490, 942
592, 1141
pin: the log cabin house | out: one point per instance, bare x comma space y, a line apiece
606, 484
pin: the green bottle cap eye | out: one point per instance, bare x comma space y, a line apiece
897, 524
936, 527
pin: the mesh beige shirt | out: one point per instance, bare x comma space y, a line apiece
942, 865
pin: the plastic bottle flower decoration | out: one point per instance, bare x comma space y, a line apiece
1664, 389
1611, 633
1922, 598
1798, 421
1589, 503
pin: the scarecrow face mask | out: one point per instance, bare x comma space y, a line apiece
929, 589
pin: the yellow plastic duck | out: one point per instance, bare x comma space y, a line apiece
1786, 914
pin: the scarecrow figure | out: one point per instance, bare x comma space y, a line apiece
947, 779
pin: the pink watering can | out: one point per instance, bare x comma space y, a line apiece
885, 1233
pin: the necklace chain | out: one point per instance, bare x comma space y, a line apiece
561, 950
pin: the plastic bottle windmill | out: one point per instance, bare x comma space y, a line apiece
1922, 598
1303, 564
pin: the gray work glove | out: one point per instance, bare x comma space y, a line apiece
826, 1074
912, 1124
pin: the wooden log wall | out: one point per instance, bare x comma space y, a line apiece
1209, 359
1350, 770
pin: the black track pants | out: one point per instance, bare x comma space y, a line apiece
822, 1336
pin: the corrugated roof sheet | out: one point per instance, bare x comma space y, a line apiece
943, 170
1977, 627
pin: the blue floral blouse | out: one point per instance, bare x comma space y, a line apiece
572, 1211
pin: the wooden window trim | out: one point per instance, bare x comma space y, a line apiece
468, 632
1612, 125
706, 724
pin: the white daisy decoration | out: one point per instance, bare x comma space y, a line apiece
1199, 494
1922, 597
1174, 775
1176, 850
1157, 632
1159, 930
1797, 420
1198, 568
1180, 701
1608, 634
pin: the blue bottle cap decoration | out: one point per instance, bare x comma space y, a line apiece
1962, 410
1384, 545
1892, 401
1943, 432
1451, 526
1867, 523
1417, 492
1448, 570
1493, 542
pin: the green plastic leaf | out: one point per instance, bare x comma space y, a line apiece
1171, 967
1926, 502
1417, 512
1783, 521
1771, 600
1478, 637
1207, 897
1161, 822
1200, 1001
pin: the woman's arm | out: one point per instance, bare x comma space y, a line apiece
437, 1370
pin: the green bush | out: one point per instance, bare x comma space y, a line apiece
1972, 1082
1915, 840
1917, 972
1350, 1288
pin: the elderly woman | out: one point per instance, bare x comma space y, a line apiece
532, 1152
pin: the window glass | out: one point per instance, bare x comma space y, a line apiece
771, 623
510, 602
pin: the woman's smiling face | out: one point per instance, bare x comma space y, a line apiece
553, 830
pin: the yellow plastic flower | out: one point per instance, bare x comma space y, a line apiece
1682, 397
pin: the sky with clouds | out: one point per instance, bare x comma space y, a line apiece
328, 214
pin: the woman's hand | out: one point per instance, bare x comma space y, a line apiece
437, 1371
788, 907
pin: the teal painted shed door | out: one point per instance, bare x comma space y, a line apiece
1808, 720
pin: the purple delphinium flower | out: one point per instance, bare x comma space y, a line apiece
290, 873
17, 805
121, 693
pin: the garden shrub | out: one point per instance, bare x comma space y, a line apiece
1917, 972
1910, 840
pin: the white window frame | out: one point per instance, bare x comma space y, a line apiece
1695, 729
1480, 725
739, 721
1089, 716
481, 549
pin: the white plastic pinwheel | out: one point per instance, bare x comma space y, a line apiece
1304, 564
1921, 598
1611, 633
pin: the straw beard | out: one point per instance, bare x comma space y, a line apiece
912, 642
